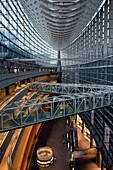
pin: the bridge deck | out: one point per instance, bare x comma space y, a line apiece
78, 99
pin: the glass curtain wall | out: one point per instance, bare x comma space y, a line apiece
91, 53
18, 37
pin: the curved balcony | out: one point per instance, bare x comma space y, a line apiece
10, 78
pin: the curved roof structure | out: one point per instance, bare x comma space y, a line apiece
60, 21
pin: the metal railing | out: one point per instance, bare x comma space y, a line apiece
24, 113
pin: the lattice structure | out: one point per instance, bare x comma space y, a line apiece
60, 22
74, 101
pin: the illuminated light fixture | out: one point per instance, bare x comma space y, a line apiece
44, 156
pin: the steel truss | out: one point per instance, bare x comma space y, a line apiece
76, 99
70, 88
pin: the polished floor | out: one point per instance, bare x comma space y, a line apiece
55, 132
54, 136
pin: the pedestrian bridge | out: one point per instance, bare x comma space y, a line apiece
72, 99
70, 88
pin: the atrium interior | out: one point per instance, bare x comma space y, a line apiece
56, 61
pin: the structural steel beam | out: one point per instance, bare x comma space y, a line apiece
78, 99
70, 88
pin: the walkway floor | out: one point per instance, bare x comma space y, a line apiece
58, 142
87, 162
57, 129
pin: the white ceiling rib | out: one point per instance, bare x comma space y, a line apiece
60, 21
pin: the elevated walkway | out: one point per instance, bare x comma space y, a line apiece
69, 88
72, 99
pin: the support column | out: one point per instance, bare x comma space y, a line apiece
82, 127
103, 136
99, 159
105, 27
91, 142
76, 118
59, 70
102, 166
19, 83
97, 36
110, 50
